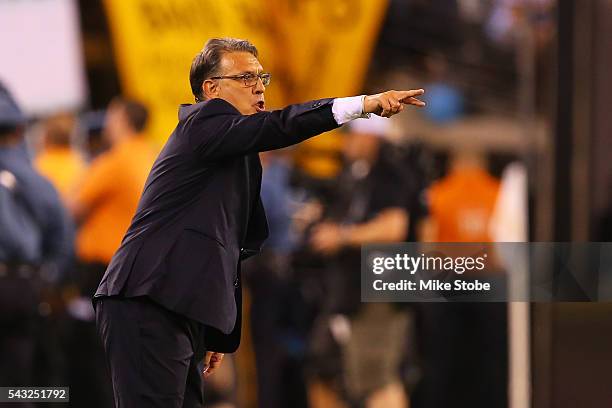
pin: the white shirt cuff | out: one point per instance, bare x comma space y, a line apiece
347, 109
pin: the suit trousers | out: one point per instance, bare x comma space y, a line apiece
154, 355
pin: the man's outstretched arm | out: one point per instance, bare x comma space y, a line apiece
243, 134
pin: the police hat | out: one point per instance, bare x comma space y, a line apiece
92, 121
10, 114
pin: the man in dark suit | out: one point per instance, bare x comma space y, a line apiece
171, 295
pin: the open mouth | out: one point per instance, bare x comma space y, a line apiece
260, 106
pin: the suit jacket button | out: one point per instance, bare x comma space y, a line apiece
236, 282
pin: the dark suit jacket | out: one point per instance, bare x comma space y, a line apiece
201, 213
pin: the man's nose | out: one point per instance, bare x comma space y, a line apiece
259, 87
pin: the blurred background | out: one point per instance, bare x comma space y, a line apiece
514, 145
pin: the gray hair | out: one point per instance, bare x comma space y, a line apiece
208, 61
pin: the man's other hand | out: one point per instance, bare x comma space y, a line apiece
212, 361
387, 104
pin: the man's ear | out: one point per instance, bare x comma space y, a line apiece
210, 88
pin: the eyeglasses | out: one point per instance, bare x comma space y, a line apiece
249, 79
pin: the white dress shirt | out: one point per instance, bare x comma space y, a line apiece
347, 109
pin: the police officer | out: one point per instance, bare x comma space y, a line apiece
35, 245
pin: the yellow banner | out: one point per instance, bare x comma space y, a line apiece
326, 45
313, 48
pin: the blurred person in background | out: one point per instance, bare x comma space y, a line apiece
35, 247
358, 348
461, 204
445, 102
470, 365
107, 195
103, 203
177, 271
58, 160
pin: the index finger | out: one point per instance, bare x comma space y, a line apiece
403, 95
